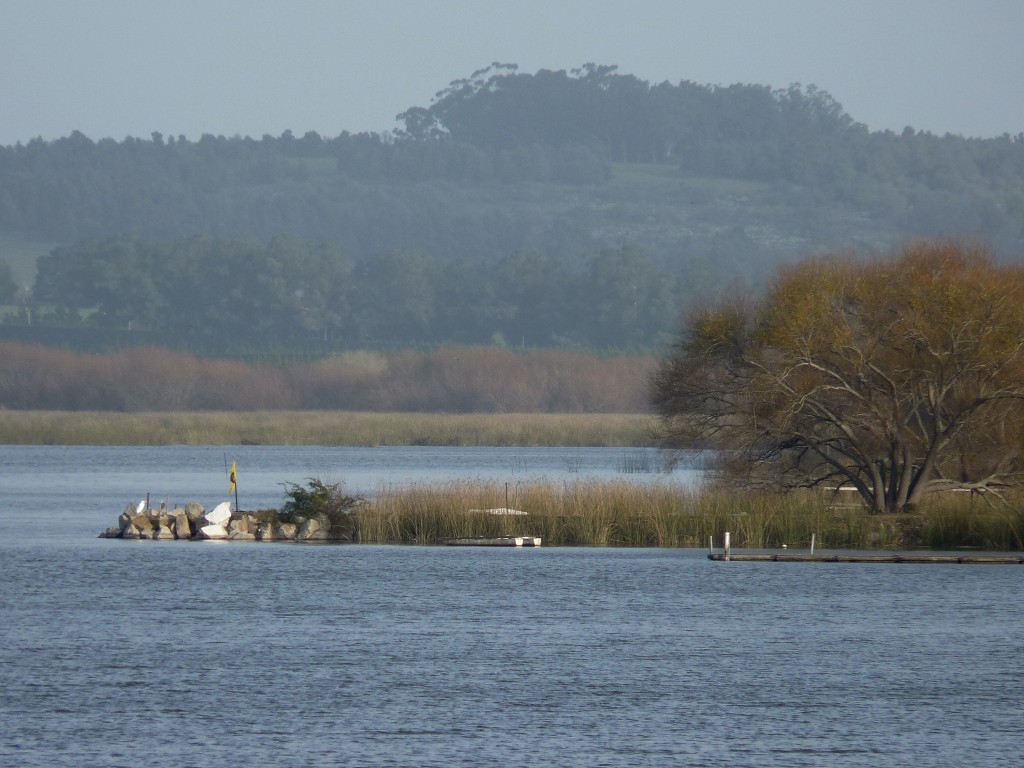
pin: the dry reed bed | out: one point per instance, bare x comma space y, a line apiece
623, 513
664, 514
455, 379
323, 428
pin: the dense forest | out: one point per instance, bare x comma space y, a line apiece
582, 209
288, 293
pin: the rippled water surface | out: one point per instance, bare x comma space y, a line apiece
218, 654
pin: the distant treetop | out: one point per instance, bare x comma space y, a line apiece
634, 121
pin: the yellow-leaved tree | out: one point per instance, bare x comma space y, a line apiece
896, 377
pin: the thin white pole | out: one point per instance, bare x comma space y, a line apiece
728, 547
812, 543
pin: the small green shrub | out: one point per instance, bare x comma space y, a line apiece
326, 500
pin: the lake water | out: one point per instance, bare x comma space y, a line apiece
120, 653
93, 484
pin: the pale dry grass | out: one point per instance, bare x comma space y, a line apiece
615, 513
323, 428
664, 514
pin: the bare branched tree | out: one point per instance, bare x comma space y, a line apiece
895, 377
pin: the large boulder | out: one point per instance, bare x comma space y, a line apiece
181, 525
143, 525
242, 522
163, 532
314, 529
242, 527
194, 511
287, 531
131, 532
125, 518
219, 515
212, 532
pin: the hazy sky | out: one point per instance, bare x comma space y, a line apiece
130, 67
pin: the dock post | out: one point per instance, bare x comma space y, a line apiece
812, 543
711, 544
727, 546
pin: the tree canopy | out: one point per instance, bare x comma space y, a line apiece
621, 201
629, 119
225, 296
895, 377
484, 170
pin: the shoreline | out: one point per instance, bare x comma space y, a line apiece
328, 428
910, 556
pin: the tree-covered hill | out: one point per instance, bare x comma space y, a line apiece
510, 204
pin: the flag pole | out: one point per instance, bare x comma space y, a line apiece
234, 483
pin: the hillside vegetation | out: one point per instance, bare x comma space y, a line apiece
583, 209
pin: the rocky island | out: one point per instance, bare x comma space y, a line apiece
193, 522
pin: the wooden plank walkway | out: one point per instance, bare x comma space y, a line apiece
796, 557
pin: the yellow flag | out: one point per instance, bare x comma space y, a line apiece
233, 479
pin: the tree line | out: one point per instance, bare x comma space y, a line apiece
800, 134
478, 172
363, 189
217, 294
580, 208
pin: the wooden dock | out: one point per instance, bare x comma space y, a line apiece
824, 557
499, 541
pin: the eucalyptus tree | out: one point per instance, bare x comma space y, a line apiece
895, 377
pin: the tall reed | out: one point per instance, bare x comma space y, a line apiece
620, 513
971, 523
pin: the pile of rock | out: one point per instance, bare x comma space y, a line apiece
193, 522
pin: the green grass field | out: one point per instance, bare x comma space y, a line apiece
323, 428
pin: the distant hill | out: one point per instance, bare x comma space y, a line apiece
584, 208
